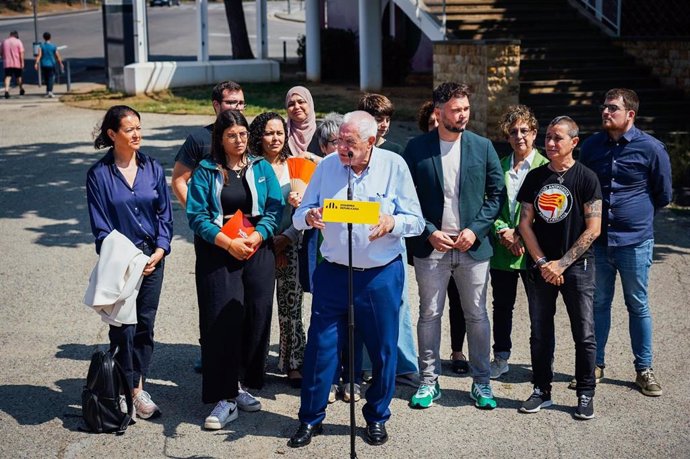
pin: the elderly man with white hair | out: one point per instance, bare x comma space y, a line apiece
381, 176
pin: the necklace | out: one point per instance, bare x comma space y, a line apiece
560, 175
237, 172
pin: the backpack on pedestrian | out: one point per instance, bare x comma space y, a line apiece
106, 395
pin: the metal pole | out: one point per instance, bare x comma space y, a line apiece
351, 320
34, 2
68, 76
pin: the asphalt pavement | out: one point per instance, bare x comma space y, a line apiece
48, 336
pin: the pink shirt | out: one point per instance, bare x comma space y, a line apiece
12, 51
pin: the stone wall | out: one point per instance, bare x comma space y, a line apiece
492, 70
669, 60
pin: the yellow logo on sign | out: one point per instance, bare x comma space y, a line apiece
342, 211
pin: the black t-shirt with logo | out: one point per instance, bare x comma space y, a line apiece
559, 207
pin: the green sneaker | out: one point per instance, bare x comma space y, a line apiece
483, 396
425, 396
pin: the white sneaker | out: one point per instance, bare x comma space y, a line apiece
223, 413
246, 401
144, 406
498, 367
51, 95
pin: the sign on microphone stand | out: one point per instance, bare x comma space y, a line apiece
346, 211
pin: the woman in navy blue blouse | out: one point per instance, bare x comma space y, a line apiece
126, 191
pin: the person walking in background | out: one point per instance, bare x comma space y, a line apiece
12, 54
126, 191
267, 135
559, 219
235, 277
381, 108
459, 182
427, 121
377, 175
508, 264
635, 175
226, 95
48, 59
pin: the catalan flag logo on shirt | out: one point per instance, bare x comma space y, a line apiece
553, 202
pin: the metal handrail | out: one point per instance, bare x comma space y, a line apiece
595, 9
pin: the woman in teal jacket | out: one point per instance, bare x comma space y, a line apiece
235, 277
508, 263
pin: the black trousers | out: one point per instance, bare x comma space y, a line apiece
235, 307
456, 317
135, 342
504, 285
578, 296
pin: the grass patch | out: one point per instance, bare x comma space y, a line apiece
261, 97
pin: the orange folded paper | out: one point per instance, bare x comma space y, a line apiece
300, 170
238, 226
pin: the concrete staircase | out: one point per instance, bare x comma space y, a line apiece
567, 63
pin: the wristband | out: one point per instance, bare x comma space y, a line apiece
540, 262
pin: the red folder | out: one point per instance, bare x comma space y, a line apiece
238, 226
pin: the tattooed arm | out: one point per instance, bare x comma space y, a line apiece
555, 268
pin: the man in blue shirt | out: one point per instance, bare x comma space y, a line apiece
379, 176
635, 174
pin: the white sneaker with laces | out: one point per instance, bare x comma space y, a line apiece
144, 406
246, 401
223, 413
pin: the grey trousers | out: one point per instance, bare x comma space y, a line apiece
471, 278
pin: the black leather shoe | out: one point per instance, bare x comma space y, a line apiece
303, 435
376, 433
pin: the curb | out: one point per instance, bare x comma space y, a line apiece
46, 15
293, 17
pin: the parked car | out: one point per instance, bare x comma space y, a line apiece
164, 2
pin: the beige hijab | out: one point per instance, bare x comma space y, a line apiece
300, 133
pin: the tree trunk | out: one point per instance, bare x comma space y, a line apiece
239, 38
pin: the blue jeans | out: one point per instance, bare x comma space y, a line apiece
578, 292
632, 262
135, 341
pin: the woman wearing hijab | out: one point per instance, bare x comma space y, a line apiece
301, 124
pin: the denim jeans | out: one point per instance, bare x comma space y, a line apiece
504, 285
578, 292
632, 262
472, 278
135, 341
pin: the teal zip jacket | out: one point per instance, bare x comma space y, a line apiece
204, 210
503, 258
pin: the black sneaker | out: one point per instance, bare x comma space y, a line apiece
536, 401
585, 407
22, 92
7, 95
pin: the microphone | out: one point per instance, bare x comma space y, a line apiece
350, 154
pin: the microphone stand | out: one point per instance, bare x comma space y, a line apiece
351, 317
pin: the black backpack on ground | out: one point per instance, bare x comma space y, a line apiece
106, 385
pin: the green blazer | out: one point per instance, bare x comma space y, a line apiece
481, 188
503, 258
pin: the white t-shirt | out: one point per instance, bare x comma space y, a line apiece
450, 163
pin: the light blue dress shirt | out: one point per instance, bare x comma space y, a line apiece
386, 180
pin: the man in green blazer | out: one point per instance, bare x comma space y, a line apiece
519, 126
459, 183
